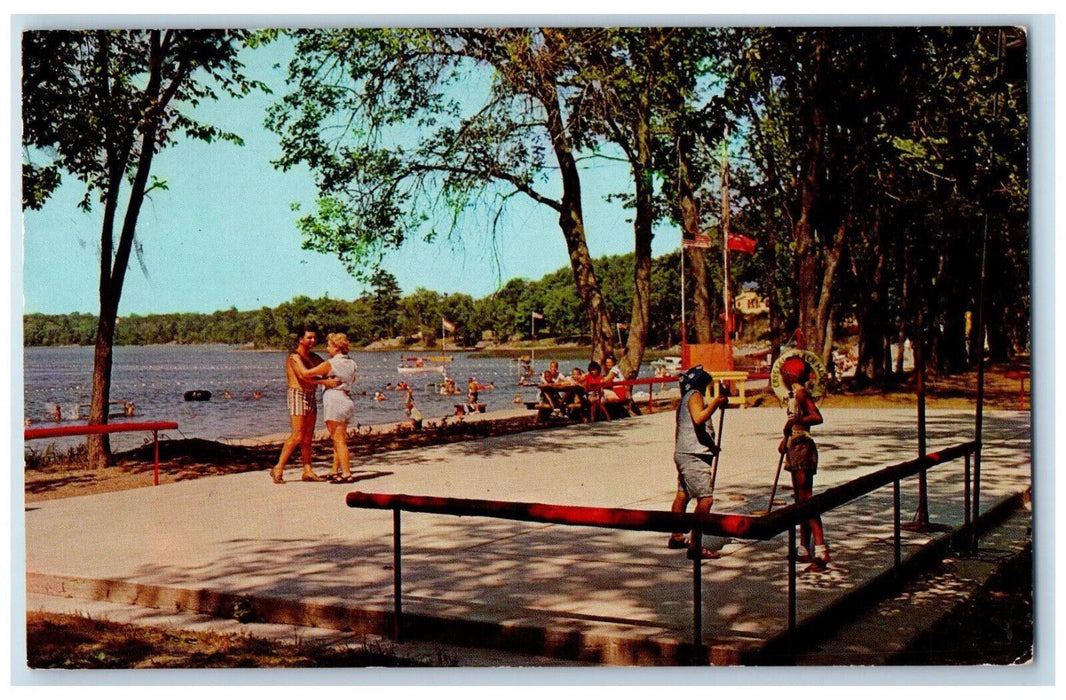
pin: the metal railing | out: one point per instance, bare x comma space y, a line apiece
752, 527
72, 430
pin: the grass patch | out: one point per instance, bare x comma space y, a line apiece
61, 641
51, 456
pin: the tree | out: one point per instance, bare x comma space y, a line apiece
102, 104
386, 294
811, 102
881, 154
412, 130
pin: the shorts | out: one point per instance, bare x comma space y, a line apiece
801, 454
337, 406
302, 403
694, 475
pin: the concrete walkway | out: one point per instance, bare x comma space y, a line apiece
302, 557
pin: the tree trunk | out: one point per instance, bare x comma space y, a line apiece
571, 221
642, 235
113, 273
824, 311
807, 262
872, 318
117, 151
817, 261
695, 259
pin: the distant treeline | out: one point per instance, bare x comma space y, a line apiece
384, 312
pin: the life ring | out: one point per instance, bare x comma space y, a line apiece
198, 395
818, 374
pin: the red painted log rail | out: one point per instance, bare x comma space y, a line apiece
69, 430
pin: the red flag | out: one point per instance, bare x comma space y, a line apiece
741, 244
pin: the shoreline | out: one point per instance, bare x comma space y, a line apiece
194, 458
380, 429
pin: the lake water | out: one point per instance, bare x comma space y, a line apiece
155, 378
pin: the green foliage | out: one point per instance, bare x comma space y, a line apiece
104, 74
385, 313
874, 158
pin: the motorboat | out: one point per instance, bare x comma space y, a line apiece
419, 365
669, 365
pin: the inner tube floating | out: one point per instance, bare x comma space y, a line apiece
198, 395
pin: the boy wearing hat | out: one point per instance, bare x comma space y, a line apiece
694, 453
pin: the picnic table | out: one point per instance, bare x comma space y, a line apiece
563, 400
738, 378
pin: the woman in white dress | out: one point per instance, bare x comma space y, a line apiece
337, 403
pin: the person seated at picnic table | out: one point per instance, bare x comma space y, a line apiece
613, 373
594, 393
551, 375
560, 393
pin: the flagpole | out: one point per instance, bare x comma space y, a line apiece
725, 245
533, 348
684, 341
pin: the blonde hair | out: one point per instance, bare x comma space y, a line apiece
339, 341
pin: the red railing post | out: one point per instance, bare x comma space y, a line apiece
155, 441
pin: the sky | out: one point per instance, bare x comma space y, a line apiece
224, 232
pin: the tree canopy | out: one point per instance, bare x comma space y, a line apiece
98, 105
866, 162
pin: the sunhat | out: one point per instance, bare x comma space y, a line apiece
793, 368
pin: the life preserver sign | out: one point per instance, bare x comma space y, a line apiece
819, 374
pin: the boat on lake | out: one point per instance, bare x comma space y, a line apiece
420, 365
669, 365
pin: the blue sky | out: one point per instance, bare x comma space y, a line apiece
224, 235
